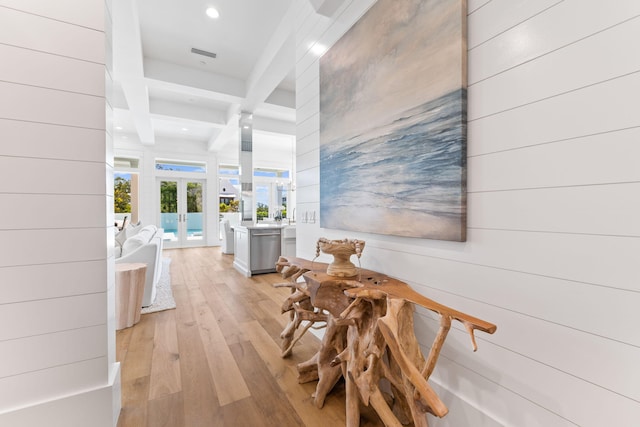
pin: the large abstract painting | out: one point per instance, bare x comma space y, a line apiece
393, 122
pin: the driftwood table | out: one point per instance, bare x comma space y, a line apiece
369, 340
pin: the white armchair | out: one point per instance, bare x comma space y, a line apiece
227, 237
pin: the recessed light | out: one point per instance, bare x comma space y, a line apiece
213, 13
118, 127
184, 129
318, 49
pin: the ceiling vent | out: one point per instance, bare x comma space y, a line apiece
203, 52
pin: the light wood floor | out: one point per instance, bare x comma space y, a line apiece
215, 359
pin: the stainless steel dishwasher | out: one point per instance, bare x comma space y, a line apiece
265, 249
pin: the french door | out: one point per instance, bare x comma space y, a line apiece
181, 211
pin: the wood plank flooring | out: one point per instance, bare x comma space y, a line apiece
215, 359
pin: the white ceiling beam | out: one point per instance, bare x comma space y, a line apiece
188, 112
177, 78
282, 98
195, 127
174, 78
264, 80
230, 132
273, 125
128, 67
276, 61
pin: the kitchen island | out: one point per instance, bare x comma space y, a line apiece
257, 247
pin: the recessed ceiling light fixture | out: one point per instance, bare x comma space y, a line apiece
318, 49
184, 129
212, 13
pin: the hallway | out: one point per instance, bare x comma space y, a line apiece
215, 359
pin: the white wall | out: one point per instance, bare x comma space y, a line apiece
554, 236
57, 330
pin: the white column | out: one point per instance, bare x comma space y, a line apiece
57, 334
246, 167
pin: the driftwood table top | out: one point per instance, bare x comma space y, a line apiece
368, 281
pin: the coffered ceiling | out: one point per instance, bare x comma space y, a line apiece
163, 91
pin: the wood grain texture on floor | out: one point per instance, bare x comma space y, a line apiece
215, 359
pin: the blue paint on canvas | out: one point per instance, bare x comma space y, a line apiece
401, 173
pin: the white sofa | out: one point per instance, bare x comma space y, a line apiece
144, 245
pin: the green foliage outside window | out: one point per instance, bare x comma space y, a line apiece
122, 195
262, 211
168, 197
194, 197
233, 206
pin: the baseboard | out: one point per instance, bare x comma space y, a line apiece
461, 411
116, 393
97, 407
244, 270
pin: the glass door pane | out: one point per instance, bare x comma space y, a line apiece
182, 212
169, 212
194, 211
263, 196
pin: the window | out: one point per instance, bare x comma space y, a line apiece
229, 189
178, 166
271, 187
228, 170
271, 173
125, 197
122, 193
125, 190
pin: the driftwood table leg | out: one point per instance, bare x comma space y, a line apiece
352, 403
333, 343
363, 354
370, 340
397, 328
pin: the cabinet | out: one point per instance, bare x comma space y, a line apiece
288, 245
258, 247
241, 250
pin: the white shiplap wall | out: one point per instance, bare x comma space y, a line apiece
554, 231
57, 333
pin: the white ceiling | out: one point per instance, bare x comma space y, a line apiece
163, 91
